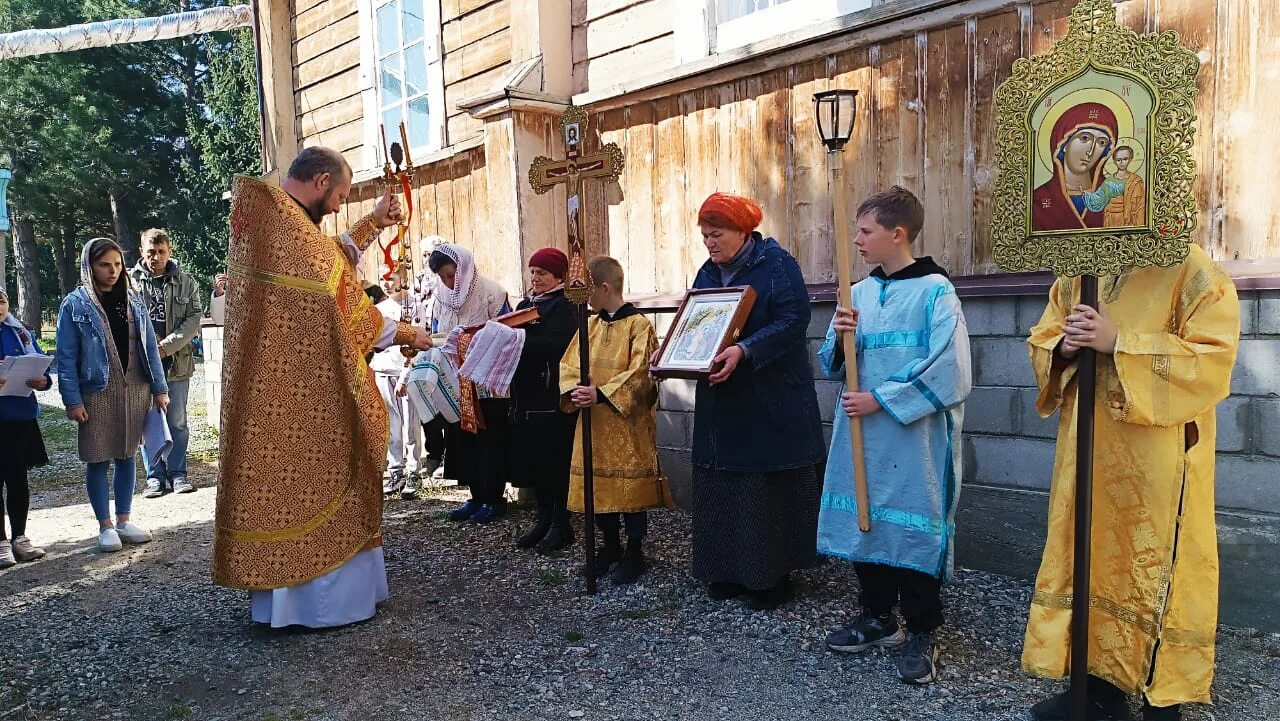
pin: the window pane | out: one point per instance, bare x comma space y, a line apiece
414, 23
415, 70
391, 80
391, 118
419, 123
388, 27
727, 10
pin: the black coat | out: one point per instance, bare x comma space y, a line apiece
543, 434
765, 416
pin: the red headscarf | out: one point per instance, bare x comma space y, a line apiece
552, 260
725, 210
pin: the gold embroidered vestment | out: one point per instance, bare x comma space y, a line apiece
624, 425
304, 431
1154, 582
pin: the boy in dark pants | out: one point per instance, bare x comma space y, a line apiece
914, 369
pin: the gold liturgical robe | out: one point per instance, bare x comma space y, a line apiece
624, 446
1154, 583
304, 430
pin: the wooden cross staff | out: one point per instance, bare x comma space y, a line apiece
545, 174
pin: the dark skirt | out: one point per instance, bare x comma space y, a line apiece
542, 449
482, 460
754, 528
21, 443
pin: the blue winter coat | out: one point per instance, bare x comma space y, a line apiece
765, 416
81, 357
13, 408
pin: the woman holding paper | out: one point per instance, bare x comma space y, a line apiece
109, 375
21, 445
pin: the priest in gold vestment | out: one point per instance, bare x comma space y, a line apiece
304, 430
1167, 340
622, 401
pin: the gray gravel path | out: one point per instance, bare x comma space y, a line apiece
478, 630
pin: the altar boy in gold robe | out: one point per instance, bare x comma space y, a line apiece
1166, 339
622, 401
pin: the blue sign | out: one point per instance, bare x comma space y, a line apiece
5, 176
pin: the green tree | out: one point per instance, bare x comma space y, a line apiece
110, 140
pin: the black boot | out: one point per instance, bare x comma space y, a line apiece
559, 535
541, 523
1161, 713
1106, 703
772, 597
631, 567
607, 554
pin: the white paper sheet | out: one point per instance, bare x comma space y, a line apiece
18, 369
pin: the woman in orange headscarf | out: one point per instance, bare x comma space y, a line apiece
1080, 140
757, 436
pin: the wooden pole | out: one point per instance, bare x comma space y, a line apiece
1086, 383
848, 341
584, 363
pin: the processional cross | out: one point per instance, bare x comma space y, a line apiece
545, 174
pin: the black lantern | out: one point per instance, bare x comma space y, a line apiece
835, 110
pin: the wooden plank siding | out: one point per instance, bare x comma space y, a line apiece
925, 121
614, 40
477, 55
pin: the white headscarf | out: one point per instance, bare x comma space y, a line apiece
464, 278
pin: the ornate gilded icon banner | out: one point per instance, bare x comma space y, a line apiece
1093, 147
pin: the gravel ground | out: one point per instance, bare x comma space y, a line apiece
478, 630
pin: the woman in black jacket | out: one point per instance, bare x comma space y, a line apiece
543, 434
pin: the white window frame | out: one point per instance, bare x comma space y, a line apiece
699, 32
370, 88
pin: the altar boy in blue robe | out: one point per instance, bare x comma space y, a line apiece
914, 372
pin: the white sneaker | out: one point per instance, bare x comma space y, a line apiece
6, 555
109, 540
130, 533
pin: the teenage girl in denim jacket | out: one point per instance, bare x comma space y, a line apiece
109, 375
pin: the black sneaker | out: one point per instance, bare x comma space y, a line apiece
771, 598
606, 556
1106, 703
867, 631
630, 567
918, 660
1161, 713
725, 590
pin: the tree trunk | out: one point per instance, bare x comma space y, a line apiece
26, 255
123, 236
65, 255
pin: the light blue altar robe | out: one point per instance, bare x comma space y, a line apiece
913, 355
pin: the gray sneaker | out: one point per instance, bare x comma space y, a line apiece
24, 551
918, 660
410, 490
394, 483
182, 485
6, 555
155, 488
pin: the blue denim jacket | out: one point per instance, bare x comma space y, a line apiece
18, 408
81, 357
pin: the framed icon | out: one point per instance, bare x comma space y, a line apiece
708, 321
1093, 151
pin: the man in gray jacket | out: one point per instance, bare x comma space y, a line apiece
173, 301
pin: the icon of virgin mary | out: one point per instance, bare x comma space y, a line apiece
1076, 196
